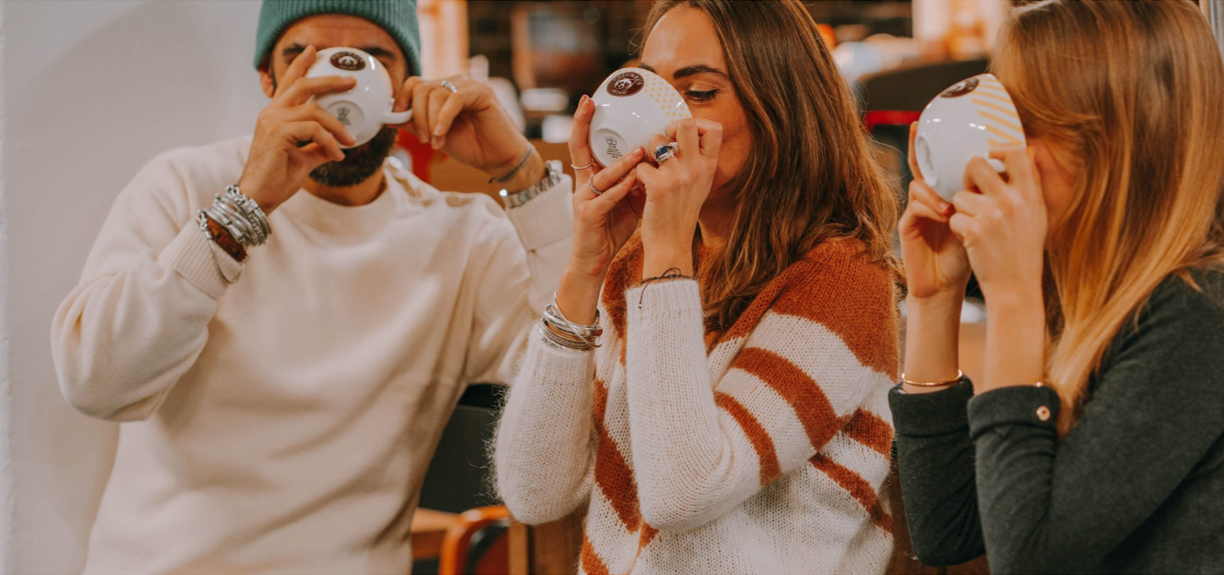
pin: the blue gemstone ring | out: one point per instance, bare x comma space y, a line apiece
664, 152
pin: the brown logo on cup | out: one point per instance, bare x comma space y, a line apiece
960, 88
347, 61
626, 84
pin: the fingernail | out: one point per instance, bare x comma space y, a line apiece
421, 137
945, 207
439, 131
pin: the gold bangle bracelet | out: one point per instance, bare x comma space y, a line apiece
959, 375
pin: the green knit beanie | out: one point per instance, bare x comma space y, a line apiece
397, 17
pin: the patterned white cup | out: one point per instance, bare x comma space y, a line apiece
631, 106
965, 120
367, 107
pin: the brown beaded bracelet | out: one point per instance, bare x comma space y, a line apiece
222, 237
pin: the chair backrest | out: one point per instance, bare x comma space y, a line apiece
459, 476
910, 88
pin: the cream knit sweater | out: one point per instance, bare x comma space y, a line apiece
765, 455
283, 424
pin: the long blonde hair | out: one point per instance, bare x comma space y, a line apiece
811, 175
1130, 97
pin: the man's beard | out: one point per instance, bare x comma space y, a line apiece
358, 164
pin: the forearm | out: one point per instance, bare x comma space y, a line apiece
543, 451
544, 226
935, 457
122, 340
684, 464
1015, 340
932, 336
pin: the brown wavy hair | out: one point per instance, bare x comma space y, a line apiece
811, 175
1130, 97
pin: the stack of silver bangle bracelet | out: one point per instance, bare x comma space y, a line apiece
580, 337
241, 216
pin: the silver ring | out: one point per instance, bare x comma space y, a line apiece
591, 184
589, 164
664, 152
449, 86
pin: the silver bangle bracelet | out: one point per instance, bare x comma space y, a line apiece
240, 213
224, 218
552, 316
241, 216
560, 341
252, 208
202, 221
589, 334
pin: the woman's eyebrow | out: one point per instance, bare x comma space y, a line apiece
689, 71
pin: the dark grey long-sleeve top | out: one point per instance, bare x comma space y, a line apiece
1137, 486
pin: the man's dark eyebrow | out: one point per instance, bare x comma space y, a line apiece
690, 70
379, 52
375, 51
292, 51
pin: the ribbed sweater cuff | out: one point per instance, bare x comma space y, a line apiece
552, 364
1021, 405
190, 256
546, 218
931, 414
664, 304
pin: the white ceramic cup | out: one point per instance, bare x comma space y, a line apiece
965, 120
631, 106
367, 107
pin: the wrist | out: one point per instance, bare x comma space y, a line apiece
251, 190
657, 259
948, 302
932, 336
578, 295
526, 175
584, 274
1014, 302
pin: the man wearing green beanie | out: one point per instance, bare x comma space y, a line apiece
284, 324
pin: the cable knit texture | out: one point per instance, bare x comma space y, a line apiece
762, 449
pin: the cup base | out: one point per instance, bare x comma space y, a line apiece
350, 115
608, 146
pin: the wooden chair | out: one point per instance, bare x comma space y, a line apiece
477, 543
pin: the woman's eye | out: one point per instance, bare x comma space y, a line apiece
702, 95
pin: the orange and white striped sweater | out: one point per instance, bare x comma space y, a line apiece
762, 449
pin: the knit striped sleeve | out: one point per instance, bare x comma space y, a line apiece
543, 454
799, 388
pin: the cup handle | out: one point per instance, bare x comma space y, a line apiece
394, 118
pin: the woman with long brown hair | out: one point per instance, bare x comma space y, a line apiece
735, 417
1095, 440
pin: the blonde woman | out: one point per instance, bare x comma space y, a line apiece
734, 419
1095, 440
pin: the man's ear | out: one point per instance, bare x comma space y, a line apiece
265, 80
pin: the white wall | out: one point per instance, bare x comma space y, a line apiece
91, 91
6, 460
